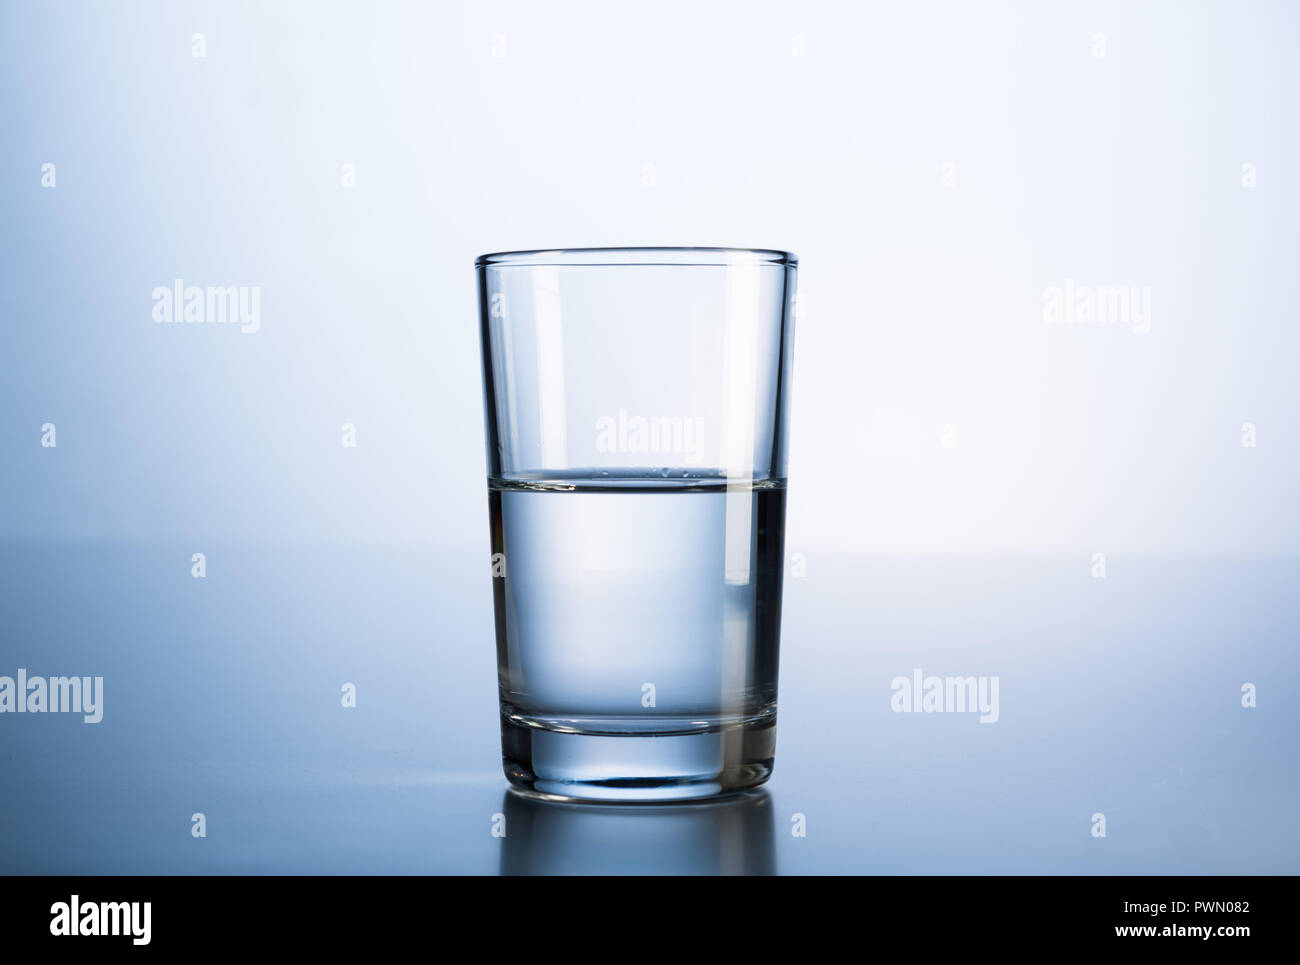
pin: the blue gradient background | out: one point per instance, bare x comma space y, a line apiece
922, 307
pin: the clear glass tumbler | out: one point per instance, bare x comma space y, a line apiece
636, 445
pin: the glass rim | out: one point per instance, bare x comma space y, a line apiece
663, 257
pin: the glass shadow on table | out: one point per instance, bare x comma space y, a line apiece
731, 836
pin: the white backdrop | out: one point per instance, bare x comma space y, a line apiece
940, 169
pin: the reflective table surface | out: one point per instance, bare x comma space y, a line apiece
1120, 707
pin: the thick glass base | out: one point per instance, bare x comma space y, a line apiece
651, 762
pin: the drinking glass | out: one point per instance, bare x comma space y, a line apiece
636, 404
